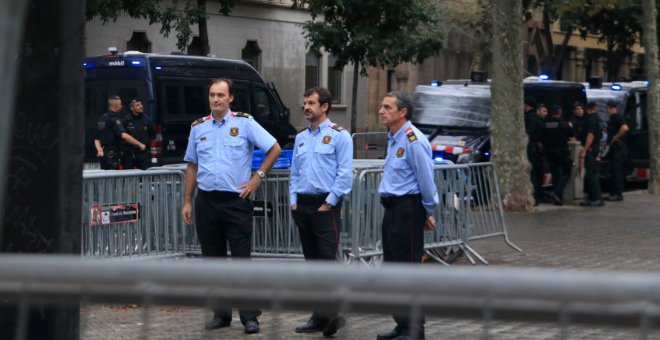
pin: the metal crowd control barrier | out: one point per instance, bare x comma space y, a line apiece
153, 198
487, 211
563, 298
369, 145
469, 209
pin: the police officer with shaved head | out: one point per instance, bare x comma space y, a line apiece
409, 195
110, 133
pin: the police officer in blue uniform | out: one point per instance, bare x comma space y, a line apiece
110, 133
219, 157
141, 128
408, 193
321, 176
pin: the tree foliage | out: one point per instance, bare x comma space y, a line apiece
617, 23
177, 15
376, 33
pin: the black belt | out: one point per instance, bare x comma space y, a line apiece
219, 195
388, 201
312, 198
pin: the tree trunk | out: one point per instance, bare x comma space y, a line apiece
203, 29
509, 140
356, 74
653, 99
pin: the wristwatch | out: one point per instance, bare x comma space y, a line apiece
261, 174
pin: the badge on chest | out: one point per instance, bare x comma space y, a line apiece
326, 139
233, 132
400, 152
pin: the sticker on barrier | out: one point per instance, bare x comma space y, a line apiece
114, 213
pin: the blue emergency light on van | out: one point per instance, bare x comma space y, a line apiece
616, 87
282, 162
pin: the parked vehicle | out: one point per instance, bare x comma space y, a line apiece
174, 91
631, 97
456, 116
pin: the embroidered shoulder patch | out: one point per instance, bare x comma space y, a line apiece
337, 127
198, 121
411, 136
241, 114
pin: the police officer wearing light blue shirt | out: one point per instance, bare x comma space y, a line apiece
321, 176
407, 192
219, 156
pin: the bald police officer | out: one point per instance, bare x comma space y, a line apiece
219, 156
408, 193
321, 176
110, 133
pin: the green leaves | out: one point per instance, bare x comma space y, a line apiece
374, 32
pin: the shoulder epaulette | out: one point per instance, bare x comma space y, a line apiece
200, 120
337, 127
410, 133
241, 114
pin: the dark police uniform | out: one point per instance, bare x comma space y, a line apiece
618, 154
533, 128
222, 151
321, 172
409, 195
554, 138
141, 128
591, 173
109, 128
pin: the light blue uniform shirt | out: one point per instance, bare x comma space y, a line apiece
223, 149
322, 163
409, 167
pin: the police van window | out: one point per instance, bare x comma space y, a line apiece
264, 107
93, 105
241, 101
642, 111
187, 99
630, 113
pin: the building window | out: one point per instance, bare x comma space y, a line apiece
251, 54
334, 79
312, 69
139, 42
391, 81
195, 47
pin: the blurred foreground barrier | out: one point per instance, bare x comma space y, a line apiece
481, 293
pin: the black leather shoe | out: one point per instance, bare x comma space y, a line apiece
556, 199
251, 327
310, 326
218, 322
407, 337
334, 325
599, 203
393, 334
614, 198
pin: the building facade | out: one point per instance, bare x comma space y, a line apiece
267, 34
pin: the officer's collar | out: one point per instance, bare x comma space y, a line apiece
322, 126
221, 121
401, 131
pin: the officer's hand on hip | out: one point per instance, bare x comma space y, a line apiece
324, 207
249, 187
186, 213
430, 223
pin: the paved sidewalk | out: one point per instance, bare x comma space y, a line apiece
622, 236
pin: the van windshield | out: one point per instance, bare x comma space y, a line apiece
452, 106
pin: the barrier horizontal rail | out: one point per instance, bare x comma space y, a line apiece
482, 293
154, 197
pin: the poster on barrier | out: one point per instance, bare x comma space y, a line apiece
114, 213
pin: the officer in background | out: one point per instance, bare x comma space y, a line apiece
577, 118
618, 154
219, 157
321, 176
141, 128
533, 127
110, 133
408, 193
554, 140
590, 140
